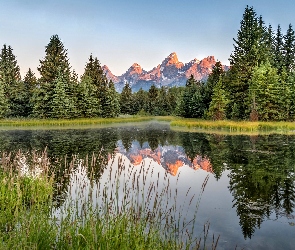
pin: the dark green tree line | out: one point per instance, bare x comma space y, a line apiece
259, 85
259, 82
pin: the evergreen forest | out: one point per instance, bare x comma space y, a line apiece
259, 85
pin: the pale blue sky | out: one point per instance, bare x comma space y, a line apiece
121, 32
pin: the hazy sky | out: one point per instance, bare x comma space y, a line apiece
122, 32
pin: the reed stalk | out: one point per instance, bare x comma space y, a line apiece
124, 209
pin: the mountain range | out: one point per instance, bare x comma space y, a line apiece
169, 73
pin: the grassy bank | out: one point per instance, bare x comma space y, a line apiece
240, 127
31, 218
184, 124
71, 122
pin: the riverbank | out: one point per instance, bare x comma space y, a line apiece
177, 123
235, 127
71, 122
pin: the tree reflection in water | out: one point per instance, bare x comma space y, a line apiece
261, 168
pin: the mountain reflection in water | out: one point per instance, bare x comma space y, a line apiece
249, 199
169, 157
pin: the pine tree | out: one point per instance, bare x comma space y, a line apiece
152, 100
191, 103
55, 65
163, 107
94, 71
191, 81
111, 102
74, 77
127, 101
265, 43
61, 104
181, 109
29, 85
212, 80
19, 100
284, 91
247, 53
30, 80
291, 81
173, 95
269, 43
141, 101
289, 49
55, 61
184, 105
41, 101
4, 108
266, 93
9, 69
217, 108
13, 86
279, 50
87, 101
197, 104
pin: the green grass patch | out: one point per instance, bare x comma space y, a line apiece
83, 121
166, 118
236, 127
183, 124
22, 123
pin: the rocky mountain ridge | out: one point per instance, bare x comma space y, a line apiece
169, 73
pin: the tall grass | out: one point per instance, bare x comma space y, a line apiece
70, 122
25, 201
235, 126
127, 208
224, 126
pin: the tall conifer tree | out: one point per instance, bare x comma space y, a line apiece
127, 100
269, 41
173, 95
11, 79
289, 49
9, 69
191, 103
246, 55
61, 104
279, 50
111, 102
267, 96
55, 61
141, 101
4, 108
54, 65
29, 86
291, 81
217, 108
94, 72
265, 44
213, 79
152, 100
88, 104
163, 105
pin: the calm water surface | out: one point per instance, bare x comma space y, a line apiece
248, 200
